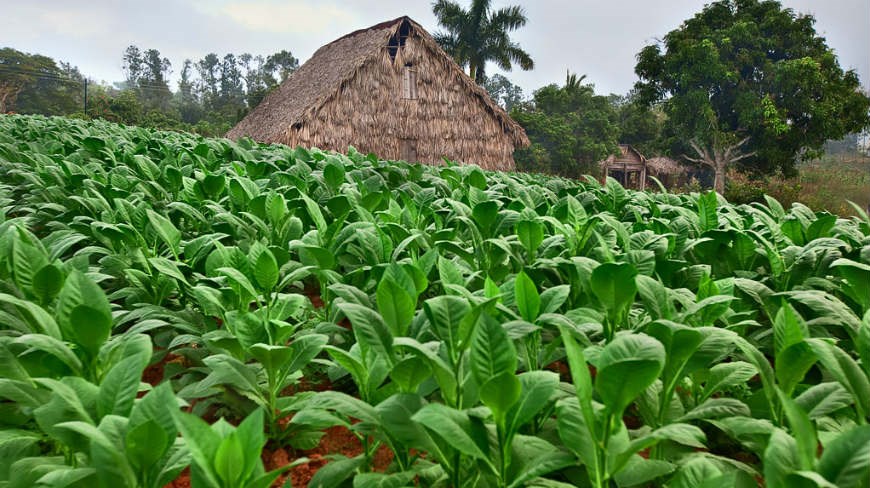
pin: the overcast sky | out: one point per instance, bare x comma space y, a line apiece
599, 38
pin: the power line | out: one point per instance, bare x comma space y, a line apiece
49, 75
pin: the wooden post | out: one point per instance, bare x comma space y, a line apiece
643, 176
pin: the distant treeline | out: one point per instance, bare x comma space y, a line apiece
211, 95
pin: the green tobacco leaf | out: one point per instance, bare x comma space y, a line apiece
553, 298
500, 393
780, 459
396, 305
802, 430
55, 347
119, 387
235, 276
726, 375
531, 234
484, 214
823, 399
158, 406
577, 435
145, 444
337, 471
451, 425
788, 328
370, 330
333, 174
91, 328
265, 270
614, 285
492, 353
845, 370
626, 367
168, 268
202, 442
707, 217
226, 462
409, 373
538, 387
167, 231
527, 298
846, 460
445, 313
47, 283
95, 319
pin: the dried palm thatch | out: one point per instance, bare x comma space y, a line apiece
662, 165
391, 90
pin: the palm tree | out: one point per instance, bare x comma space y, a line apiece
478, 35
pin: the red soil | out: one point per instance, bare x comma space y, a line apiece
153, 374
183, 480
336, 440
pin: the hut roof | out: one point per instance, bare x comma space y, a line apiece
665, 165
627, 154
322, 76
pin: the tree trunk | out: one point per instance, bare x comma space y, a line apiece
718, 156
719, 178
472, 71
4, 95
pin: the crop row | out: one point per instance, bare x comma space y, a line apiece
484, 329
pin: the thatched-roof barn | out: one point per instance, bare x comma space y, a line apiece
390, 90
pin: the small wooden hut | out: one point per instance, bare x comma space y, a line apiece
390, 90
628, 168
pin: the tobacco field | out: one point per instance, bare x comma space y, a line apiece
174, 311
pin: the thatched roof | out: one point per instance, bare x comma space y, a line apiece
665, 165
627, 155
333, 65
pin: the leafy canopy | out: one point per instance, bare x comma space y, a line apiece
750, 68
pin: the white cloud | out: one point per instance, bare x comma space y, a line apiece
297, 17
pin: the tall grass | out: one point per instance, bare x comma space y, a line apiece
825, 184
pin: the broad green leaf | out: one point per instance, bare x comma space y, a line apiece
707, 216
451, 425
119, 387
265, 270
500, 393
370, 330
538, 388
614, 285
726, 375
626, 367
445, 313
83, 312
169, 234
396, 305
531, 234
846, 460
492, 353
145, 444
780, 459
47, 282
527, 298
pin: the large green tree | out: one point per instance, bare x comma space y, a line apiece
752, 82
503, 91
33, 83
477, 35
570, 127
